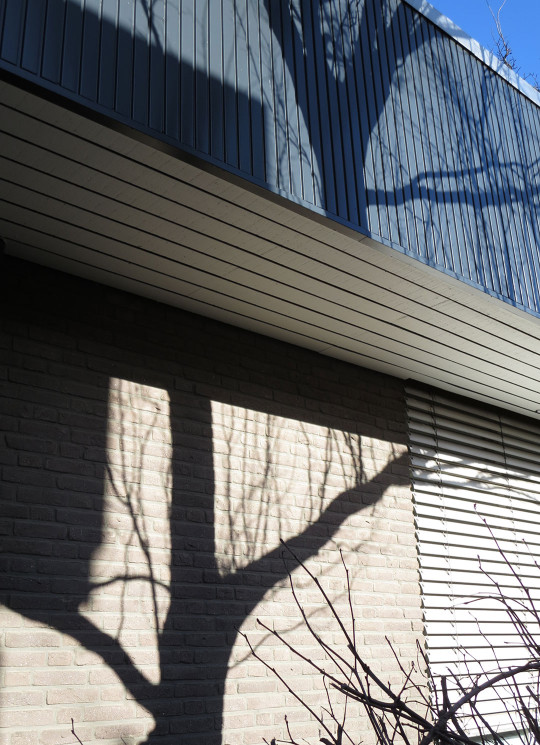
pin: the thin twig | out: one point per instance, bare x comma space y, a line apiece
74, 733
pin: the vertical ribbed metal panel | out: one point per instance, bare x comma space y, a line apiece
72, 46
173, 15
256, 123
51, 64
186, 97
107, 53
362, 109
12, 36
205, 87
33, 36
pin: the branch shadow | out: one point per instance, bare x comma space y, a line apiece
212, 574
148, 529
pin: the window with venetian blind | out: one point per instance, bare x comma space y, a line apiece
472, 464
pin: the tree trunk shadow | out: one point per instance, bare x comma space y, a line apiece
60, 524
204, 619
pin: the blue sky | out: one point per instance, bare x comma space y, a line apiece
520, 21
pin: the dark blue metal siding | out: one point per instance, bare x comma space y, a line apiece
360, 108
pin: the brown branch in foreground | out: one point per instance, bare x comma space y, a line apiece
503, 49
422, 710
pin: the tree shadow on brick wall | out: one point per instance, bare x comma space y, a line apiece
224, 514
123, 537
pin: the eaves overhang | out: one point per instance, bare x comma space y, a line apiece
85, 197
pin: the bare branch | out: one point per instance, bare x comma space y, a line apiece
448, 710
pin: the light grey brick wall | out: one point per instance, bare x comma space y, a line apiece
150, 463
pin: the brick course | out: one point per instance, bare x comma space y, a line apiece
151, 462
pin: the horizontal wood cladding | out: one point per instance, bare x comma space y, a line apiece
363, 110
87, 200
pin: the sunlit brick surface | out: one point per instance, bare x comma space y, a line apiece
151, 463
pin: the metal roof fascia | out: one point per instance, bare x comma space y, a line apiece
475, 48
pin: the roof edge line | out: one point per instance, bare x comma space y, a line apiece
475, 48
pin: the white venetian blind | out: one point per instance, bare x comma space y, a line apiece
471, 462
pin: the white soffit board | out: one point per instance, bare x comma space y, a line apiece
92, 201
